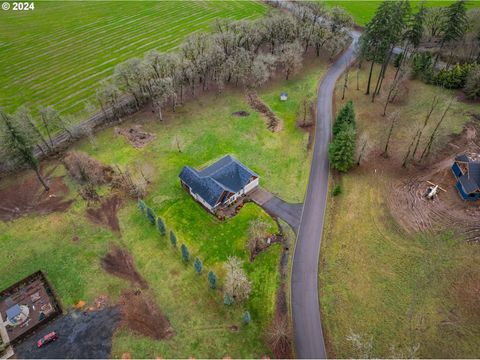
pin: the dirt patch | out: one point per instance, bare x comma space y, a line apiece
29, 197
274, 124
135, 136
241, 113
106, 214
86, 169
414, 212
261, 246
141, 314
119, 262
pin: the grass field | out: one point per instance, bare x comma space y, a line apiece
207, 130
395, 291
57, 53
363, 11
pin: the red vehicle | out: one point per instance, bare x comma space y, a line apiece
50, 337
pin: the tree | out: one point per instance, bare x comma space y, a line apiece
345, 118
246, 318
237, 285
197, 264
18, 145
185, 253
257, 231
393, 117
342, 150
435, 102
173, 239
108, 96
151, 217
290, 58
24, 117
227, 299
279, 335
212, 280
142, 206
161, 226
434, 21
472, 84
428, 147
363, 148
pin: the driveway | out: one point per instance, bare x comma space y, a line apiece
276, 207
307, 324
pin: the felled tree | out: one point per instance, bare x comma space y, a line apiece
185, 253
173, 239
151, 216
17, 143
342, 150
212, 280
197, 264
161, 227
237, 285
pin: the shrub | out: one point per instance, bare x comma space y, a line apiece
237, 284
472, 84
161, 227
453, 78
185, 253
142, 206
246, 318
227, 299
212, 280
337, 190
85, 169
150, 216
173, 239
197, 264
422, 66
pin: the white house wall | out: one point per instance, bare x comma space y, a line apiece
250, 186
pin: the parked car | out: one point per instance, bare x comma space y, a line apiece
50, 337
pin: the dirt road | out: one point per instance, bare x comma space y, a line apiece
308, 332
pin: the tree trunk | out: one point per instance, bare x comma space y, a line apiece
405, 159
39, 176
361, 152
47, 129
427, 149
390, 131
369, 78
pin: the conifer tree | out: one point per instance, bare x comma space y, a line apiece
246, 318
198, 265
227, 299
150, 216
173, 239
212, 280
346, 116
142, 206
185, 253
342, 150
161, 226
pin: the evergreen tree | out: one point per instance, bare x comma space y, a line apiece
212, 280
415, 32
150, 216
173, 239
246, 318
346, 116
455, 25
142, 206
161, 226
227, 299
17, 143
197, 264
185, 253
342, 150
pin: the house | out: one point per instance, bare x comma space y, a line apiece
219, 184
466, 169
283, 96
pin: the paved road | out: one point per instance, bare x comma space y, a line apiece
307, 325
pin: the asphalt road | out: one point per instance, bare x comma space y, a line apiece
309, 342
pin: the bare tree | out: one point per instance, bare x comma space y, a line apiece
290, 58
237, 285
433, 105
428, 147
393, 117
345, 79
24, 116
364, 147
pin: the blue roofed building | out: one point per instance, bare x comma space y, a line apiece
219, 184
466, 169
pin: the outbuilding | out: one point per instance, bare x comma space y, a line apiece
466, 169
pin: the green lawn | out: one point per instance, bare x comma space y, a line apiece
58, 53
395, 291
207, 130
363, 11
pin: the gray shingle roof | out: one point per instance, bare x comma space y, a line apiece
227, 174
13, 312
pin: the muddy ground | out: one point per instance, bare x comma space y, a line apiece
135, 136
141, 314
106, 213
274, 124
119, 262
447, 211
29, 197
82, 335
